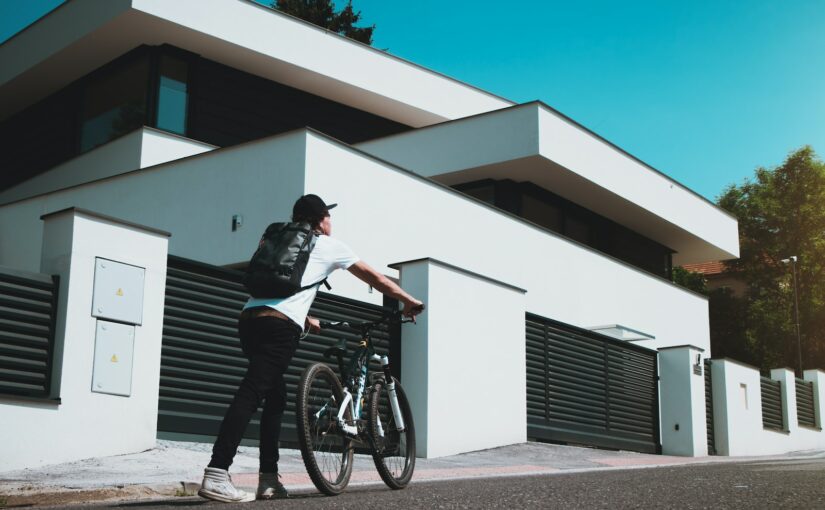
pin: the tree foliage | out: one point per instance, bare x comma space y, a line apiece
322, 13
690, 280
781, 213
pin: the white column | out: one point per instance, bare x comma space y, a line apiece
464, 362
817, 377
789, 419
88, 423
682, 401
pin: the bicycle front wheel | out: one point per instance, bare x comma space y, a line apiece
325, 449
394, 453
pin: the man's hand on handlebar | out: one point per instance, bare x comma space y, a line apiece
412, 308
312, 324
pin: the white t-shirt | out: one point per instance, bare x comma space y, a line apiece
328, 255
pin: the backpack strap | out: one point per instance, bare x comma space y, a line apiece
324, 282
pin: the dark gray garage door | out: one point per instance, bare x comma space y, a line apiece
587, 388
202, 363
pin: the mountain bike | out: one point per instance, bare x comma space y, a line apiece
334, 418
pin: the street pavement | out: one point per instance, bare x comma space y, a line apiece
528, 475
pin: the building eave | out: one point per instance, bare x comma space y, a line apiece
82, 35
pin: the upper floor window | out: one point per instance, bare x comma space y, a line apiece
114, 103
149, 87
172, 94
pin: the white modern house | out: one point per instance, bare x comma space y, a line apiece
146, 145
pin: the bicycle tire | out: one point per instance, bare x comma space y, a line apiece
327, 453
395, 470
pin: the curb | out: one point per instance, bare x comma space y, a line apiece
58, 496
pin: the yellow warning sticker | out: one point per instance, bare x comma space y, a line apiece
114, 358
119, 292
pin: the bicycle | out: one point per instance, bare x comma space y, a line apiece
333, 419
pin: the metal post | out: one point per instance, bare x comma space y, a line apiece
796, 316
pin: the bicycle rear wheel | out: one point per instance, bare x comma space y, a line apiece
394, 453
325, 449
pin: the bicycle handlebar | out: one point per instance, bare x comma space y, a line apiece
367, 325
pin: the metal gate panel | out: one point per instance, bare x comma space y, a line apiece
587, 388
709, 407
805, 413
202, 363
771, 403
28, 311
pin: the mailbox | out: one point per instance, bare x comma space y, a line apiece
118, 292
114, 351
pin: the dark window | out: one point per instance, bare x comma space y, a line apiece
172, 94
541, 212
483, 192
114, 104
573, 221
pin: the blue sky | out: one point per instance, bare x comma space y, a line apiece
704, 91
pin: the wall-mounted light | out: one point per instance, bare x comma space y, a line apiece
237, 222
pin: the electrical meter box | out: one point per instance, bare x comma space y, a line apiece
118, 292
114, 351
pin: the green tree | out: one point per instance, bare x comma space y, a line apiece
781, 213
690, 280
322, 13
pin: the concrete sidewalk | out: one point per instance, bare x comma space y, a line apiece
175, 469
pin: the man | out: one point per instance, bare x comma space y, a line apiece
269, 332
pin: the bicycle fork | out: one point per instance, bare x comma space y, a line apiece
354, 405
396, 409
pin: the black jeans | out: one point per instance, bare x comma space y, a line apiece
269, 344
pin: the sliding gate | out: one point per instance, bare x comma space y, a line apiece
202, 363
587, 388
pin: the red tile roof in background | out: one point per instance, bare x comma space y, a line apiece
707, 268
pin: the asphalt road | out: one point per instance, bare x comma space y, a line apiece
775, 484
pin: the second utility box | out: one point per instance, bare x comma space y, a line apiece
118, 292
114, 350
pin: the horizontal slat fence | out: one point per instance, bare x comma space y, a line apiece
587, 388
28, 311
202, 363
771, 403
805, 413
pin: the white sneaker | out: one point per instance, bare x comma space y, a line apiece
217, 485
269, 487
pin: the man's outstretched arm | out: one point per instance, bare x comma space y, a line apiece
384, 285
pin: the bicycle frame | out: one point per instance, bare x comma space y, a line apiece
359, 364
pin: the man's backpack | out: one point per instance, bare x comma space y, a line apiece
278, 265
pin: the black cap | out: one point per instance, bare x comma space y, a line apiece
311, 206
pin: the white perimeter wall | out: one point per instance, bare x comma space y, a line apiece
457, 365
737, 411
88, 424
139, 149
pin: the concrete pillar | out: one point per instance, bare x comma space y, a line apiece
682, 401
789, 419
817, 377
87, 422
464, 362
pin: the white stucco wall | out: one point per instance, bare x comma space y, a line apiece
88, 424
141, 148
194, 198
385, 214
737, 412
457, 366
682, 402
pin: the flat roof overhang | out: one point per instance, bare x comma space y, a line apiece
532, 142
81, 35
